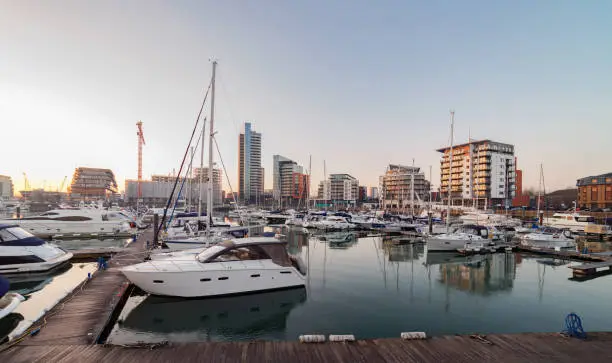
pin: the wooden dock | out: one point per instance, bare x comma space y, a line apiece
563, 254
587, 269
83, 315
92, 254
532, 347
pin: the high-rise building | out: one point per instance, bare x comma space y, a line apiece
373, 193
250, 172
482, 174
595, 191
363, 193
92, 184
339, 189
6, 187
290, 183
396, 186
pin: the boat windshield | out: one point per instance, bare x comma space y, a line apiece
14, 234
587, 219
210, 252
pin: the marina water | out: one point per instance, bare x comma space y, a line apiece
370, 287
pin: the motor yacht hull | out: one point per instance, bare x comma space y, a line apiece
42, 266
195, 280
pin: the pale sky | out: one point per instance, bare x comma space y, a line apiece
359, 84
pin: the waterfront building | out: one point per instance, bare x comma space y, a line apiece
595, 191
250, 172
373, 193
396, 186
520, 199
155, 192
92, 184
340, 190
363, 194
6, 187
217, 182
483, 173
290, 183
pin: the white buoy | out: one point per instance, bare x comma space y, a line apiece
341, 338
413, 335
312, 338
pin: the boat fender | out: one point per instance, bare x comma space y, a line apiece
413, 335
341, 338
312, 338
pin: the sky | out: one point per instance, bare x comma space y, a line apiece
357, 84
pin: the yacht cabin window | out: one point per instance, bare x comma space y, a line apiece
14, 234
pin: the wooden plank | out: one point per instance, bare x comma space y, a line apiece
529, 347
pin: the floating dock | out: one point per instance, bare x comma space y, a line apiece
532, 347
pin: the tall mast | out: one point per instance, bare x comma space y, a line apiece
201, 181
412, 190
209, 203
308, 183
450, 169
540, 190
325, 184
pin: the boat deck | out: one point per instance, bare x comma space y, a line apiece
532, 347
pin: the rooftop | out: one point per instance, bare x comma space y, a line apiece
484, 141
595, 179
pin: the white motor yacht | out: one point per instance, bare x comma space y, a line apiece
573, 221
59, 223
232, 267
461, 238
20, 251
549, 237
333, 223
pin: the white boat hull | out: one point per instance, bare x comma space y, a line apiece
74, 229
195, 280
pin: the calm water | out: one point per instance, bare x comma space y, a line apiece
372, 288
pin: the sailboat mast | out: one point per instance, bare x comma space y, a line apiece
540, 192
209, 203
450, 168
201, 178
308, 182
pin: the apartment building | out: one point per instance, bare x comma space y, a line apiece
396, 186
595, 191
339, 189
482, 174
250, 172
290, 183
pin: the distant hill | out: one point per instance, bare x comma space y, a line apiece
564, 197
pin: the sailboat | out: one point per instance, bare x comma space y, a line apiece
234, 266
214, 232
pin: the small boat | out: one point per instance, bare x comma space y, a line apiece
235, 266
8, 300
461, 238
549, 237
336, 223
20, 251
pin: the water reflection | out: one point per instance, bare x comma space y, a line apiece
8, 324
26, 284
233, 317
481, 274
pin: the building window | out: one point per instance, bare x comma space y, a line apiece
594, 193
608, 193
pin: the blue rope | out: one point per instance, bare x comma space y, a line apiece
573, 326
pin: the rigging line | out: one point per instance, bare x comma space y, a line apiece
195, 127
227, 177
184, 180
